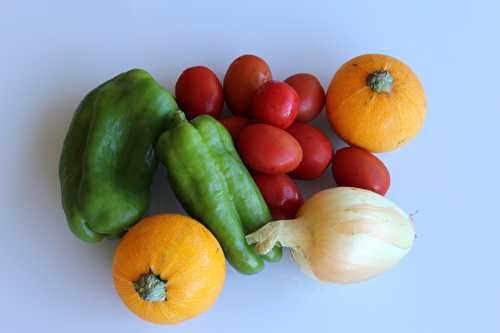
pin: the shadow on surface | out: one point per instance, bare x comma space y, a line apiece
53, 124
162, 197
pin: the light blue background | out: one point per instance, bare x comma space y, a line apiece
53, 52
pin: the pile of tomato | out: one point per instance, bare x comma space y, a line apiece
270, 129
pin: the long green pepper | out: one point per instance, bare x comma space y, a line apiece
250, 204
200, 185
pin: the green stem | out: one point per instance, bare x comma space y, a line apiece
151, 287
380, 81
179, 117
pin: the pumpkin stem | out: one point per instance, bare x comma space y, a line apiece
380, 81
151, 287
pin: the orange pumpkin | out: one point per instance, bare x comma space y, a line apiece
376, 102
168, 268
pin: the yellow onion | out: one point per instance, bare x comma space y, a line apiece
342, 235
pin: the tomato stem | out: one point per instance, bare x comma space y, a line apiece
380, 81
151, 287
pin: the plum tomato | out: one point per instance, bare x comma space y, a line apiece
317, 151
275, 103
243, 77
198, 91
281, 194
311, 94
357, 167
268, 149
234, 124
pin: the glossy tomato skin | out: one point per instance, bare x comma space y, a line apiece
268, 149
198, 91
311, 94
317, 151
234, 124
243, 77
357, 167
275, 103
281, 194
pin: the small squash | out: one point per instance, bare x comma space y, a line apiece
376, 102
168, 268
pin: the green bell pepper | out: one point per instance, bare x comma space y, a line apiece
108, 157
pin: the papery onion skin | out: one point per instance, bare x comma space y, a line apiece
343, 235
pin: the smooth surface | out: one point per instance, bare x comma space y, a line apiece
51, 54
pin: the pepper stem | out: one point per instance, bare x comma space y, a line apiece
380, 81
151, 287
176, 119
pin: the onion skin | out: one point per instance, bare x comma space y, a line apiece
342, 235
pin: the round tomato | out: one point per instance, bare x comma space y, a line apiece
281, 194
311, 93
198, 91
243, 77
234, 124
317, 151
357, 167
275, 103
268, 149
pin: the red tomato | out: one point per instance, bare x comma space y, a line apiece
234, 124
198, 91
357, 167
281, 194
243, 77
275, 103
268, 149
316, 151
311, 93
